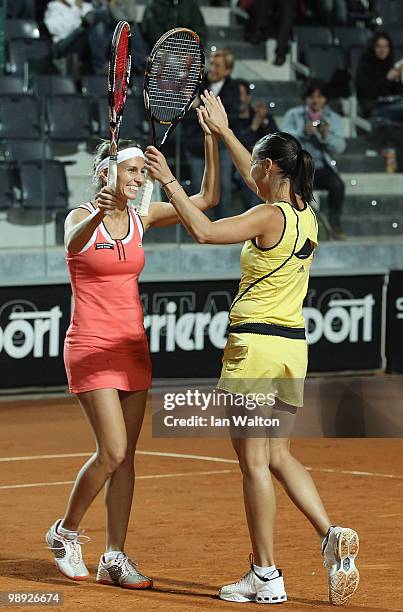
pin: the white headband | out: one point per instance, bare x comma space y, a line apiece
122, 156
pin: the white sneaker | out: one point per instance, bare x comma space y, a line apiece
340, 549
253, 588
67, 553
122, 571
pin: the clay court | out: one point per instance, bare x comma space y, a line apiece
188, 529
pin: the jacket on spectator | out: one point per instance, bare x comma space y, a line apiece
120, 10
372, 83
163, 15
247, 136
229, 94
294, 123
61, 20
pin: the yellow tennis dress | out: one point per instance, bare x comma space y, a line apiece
266, 350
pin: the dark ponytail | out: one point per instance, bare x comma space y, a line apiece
295, 162
306, 176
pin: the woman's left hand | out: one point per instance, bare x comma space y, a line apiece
156, 166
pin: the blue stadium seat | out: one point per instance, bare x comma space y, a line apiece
43, 184
134, 118
69, 118
93, 85
36, 53
323, 61
350, 37
305, 36
10, 85
21, 28
24, 150
7, 185
44, 85
27, 109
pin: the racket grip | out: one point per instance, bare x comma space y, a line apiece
112, 174
146, 197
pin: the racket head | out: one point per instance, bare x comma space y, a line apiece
119, 72
174, 72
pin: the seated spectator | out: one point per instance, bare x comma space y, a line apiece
126, 10
331, 12
163, 15
76, 27
21, 9
379, 77
319, 130
269, 18
253, 122
218, 80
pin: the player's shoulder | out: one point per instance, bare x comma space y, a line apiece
80, 212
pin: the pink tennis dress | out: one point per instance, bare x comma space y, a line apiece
106, 345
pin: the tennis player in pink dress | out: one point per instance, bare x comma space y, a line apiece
106, 352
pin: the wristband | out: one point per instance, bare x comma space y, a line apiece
171, 181
172, 194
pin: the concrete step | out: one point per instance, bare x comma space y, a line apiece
226, 33
240, 49
377, 225
367, 206
355, 162
373, 184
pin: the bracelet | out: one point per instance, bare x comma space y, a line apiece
172, 194
171, 181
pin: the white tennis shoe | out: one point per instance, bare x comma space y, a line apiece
252, 588
67, 553
340, 549
122, 571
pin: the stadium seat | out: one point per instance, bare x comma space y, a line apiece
350, 37
21, 28
43, 184
93, 85
390, 11
354, 55
134, 118
6, 186
24, 150
305, 36
10, 85
27, 109
45, 85
396, 34
323, 61
68, 118
36, 53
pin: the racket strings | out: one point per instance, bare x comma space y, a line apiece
121, 71
174, 75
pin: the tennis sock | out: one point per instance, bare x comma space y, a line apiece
265, 572
112, 554
66, 533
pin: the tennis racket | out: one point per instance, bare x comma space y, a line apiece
172, 79
118, 82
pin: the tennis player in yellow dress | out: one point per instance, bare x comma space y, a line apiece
266, 348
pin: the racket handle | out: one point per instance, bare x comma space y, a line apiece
146, 196
112, 174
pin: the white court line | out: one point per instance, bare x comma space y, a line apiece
202, 458
147, 477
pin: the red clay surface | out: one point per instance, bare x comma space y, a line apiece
188, 529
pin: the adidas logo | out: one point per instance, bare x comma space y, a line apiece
301, 269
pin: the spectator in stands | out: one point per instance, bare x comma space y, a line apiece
253, 122
163, 15
379, 80
272, 17
21, 9
331, 12
126, 10
319, 130
219, 81
76, 27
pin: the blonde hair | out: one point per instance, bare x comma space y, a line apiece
102, 152
227, 55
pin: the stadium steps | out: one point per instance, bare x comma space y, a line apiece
355, 162
239, 48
